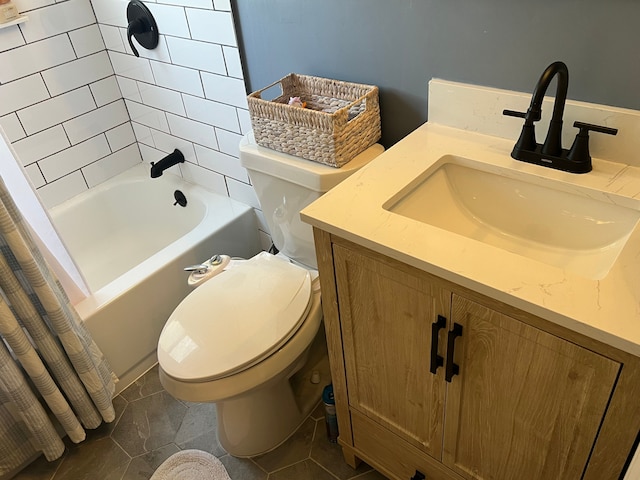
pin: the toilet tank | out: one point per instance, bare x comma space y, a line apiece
285, 185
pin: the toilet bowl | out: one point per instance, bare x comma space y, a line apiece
238, 340
251, 337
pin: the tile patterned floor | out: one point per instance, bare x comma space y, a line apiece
151, 425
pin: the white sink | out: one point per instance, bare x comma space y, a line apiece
566, 228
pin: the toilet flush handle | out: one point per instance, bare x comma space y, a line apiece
207, 270
198, 269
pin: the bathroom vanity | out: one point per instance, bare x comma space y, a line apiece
457, 356
527, 401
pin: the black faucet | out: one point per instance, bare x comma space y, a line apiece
550, 153
169, 161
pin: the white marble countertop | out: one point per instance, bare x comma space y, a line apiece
607, 310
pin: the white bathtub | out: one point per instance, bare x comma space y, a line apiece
131, 243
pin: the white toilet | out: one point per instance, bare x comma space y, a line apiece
250, 338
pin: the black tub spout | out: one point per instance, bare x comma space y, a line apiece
169, 161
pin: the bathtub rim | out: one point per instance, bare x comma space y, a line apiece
218, 212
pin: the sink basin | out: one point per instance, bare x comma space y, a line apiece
567, 228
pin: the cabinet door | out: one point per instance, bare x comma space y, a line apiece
526, 404
386, 316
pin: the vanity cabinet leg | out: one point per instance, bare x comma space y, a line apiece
350, 457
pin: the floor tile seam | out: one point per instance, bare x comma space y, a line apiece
183, 445
289, 465
116, 420
140, 384
156, 449
137, 395
55, 472
124, 472
128, 463
308, 457
313, 439
324, 468
159, 447
255, 463
360, 475
129, 457
185, 441
152, 394
120, 446
185, 402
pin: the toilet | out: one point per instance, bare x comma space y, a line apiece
250, 338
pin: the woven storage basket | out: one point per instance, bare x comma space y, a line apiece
340, 120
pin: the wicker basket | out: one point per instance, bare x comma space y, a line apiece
340, 119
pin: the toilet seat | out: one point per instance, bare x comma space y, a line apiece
235, 320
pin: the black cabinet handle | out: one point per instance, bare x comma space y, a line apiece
451, 368
436, 360
418, 476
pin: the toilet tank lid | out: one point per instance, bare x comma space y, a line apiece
306, 173
235, 319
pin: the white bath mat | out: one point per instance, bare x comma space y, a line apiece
191, 465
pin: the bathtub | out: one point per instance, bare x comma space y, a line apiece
131, 244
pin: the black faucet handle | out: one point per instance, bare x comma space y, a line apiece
585, 128
531, 115
579, 152
513, 113
527, 140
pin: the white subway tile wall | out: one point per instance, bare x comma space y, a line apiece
121, 136
188, 93
68, 16
107, 167
212, 113
35, 57
225, 89
79, 107
60, 103
21, 93
232, 61
87, 40
54, 110
10, 38
74, 158
66, 187
105, 91
11, 126
34, 173
72, 75
41, 145
96, 121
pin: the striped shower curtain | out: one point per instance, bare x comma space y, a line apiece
50, 368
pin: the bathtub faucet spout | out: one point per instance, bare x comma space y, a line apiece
169, 161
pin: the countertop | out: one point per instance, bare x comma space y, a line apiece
607, 310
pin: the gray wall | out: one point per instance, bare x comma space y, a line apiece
400, 45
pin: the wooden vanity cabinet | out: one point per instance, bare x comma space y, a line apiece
526, 404
385, 317
514, 402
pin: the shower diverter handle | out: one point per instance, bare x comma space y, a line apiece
142, 26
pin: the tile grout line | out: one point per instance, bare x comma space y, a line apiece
324, 468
